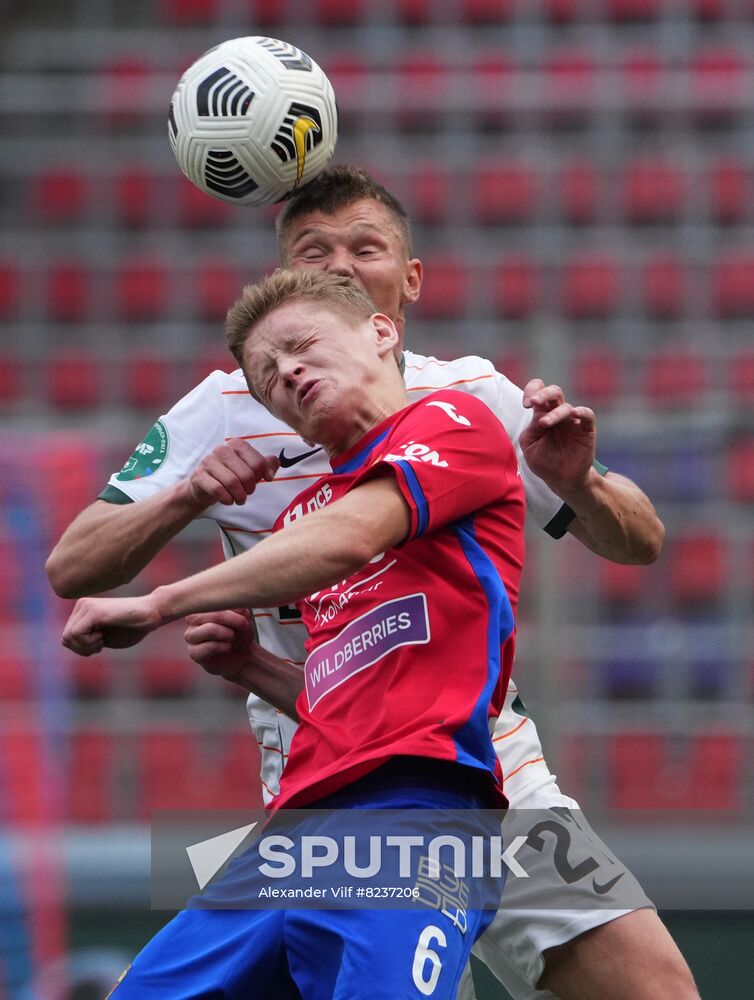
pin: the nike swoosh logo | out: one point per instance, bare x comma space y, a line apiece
303, 126
286, 463
602, 889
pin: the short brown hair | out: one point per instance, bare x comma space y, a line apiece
335, 188
256, 301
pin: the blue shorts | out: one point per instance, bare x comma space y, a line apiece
316, 954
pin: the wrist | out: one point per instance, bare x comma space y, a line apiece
165, 604
585, 490
188, 500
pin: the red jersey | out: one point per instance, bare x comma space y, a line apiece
412, 655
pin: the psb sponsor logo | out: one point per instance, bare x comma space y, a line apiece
148, 456
322, 497
416, 452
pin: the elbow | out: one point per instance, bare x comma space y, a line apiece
62, 581
651, 544
67, 576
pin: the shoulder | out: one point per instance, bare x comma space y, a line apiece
435, 373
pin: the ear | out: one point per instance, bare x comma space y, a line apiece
386, 334
412, 281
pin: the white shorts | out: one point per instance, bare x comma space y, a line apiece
575, 883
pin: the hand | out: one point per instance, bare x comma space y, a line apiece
220, 641
116, 622
230, 474
559, 443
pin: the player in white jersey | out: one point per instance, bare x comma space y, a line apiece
196, 461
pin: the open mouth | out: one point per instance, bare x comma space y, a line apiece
307, 390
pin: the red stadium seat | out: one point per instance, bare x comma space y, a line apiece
624, 11
653, 192
125, 91
191, 13
180, 770
591, 287
622, 584
729, 191
718, 86
135, 198
663, 283
740, 471
90, 677
11, 376
197, 209
10, 290
579, 192
444, 289
68, 293
642, 78
147, 378
709, 10
413, 12
486, 11
648, 771
561, 11
16, 677
432, 194
740, 377
733, 285
596, 376
504, 193
267, 13
75, 381
675, 378
167, 676
337, 13
60, 197
92, 774
348, 76
217, 285
570, 87
697, 568
515, 288
422, 79
516, 365
141, 290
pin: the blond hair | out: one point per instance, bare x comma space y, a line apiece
256, 301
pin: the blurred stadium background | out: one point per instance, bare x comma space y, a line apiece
580, 173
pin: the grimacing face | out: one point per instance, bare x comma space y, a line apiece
359, 241
313, 368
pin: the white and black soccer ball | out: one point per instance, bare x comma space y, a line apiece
253, 119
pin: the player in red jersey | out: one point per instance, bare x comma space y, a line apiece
406, 561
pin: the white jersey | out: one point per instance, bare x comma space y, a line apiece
220, 408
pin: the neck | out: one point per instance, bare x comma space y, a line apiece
367, 412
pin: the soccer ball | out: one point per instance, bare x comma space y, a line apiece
252, 120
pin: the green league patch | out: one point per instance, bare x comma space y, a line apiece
148, 455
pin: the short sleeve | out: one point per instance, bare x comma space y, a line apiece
451, 457
173, 446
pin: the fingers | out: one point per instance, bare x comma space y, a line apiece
236, 618
541, 396
230, 473
580, 416
81, 633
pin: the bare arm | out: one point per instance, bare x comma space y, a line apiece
222, 643
109, 544
613, 517
315, 552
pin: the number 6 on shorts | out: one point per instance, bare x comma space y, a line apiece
424, 954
